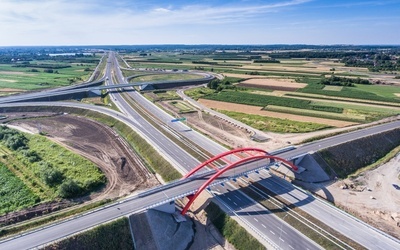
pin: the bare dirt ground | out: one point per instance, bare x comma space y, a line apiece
100, 144
372, 196
248, 109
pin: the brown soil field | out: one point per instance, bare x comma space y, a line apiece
247, 109
100, 144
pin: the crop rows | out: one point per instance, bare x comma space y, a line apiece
262, 101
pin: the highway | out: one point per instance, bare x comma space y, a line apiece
181, 158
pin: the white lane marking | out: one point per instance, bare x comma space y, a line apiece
346, 227
281, 239
255, 219
237, 197
284, 232
248, 213
229, 198
263, 226
272, 232
291, 247
235, 203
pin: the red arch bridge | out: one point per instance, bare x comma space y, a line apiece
233, 158
235, 163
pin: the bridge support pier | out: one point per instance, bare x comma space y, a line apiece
166, 208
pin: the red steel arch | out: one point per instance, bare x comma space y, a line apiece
219, 172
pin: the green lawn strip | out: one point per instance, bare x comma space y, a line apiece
231, 230
113, 235
39, 222
308, 225
263, 100
15, 195
315, 113
264, 123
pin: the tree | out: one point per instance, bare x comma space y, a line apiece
49, 175
213, 84
69, 188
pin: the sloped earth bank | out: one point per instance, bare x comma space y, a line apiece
124, 171
372, 196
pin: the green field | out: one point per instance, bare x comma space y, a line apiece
364, 92
270, 124
15, 195
47, 169
24, 79
320, 114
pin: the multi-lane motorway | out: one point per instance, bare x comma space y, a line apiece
248, 211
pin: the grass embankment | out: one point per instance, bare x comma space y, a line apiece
314, 229
231, 230
113, 235
368, 151
47, 169
277, 125
35, 223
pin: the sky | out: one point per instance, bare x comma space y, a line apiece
133, 22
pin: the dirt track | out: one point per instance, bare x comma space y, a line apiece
100, 144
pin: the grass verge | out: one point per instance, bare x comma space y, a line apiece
278, 125
14, 229
113, 235
231, 230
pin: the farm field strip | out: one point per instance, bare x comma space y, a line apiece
343, 99
316, 113
257, 111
